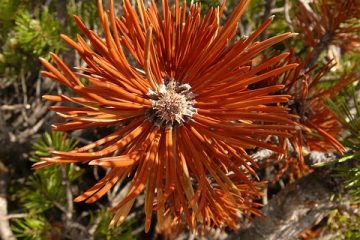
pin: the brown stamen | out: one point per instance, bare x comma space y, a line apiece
172, 104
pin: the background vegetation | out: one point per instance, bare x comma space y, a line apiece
38, 205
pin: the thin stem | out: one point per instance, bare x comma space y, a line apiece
5, 230
324, 42
267, 13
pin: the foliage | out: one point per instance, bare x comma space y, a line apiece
45, 189
88, 12
8, 10
27, 33
343, 226
346, 224
103, 231
43, 196
33, 35
31, 227
39, 34
30, 29
350, 118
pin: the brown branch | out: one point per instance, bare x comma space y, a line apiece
267, 13
69, 196
287, 15
324, 42
14, 216
14, 107
5, 230
294, 209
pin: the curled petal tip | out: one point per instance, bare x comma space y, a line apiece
78, 199
42, 60
35, 164
94, 162
39, 165
77, 87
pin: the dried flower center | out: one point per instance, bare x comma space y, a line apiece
172, 104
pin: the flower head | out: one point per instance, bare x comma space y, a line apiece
319, 127
174, 86
325, 22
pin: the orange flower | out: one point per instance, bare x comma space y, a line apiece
174, 85
319, 127
325, 22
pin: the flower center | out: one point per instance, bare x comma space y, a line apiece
172, 104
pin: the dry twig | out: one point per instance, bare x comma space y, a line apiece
5, 230
293, 209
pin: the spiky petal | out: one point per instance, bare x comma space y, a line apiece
183, 118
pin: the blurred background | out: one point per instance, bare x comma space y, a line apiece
39, 205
